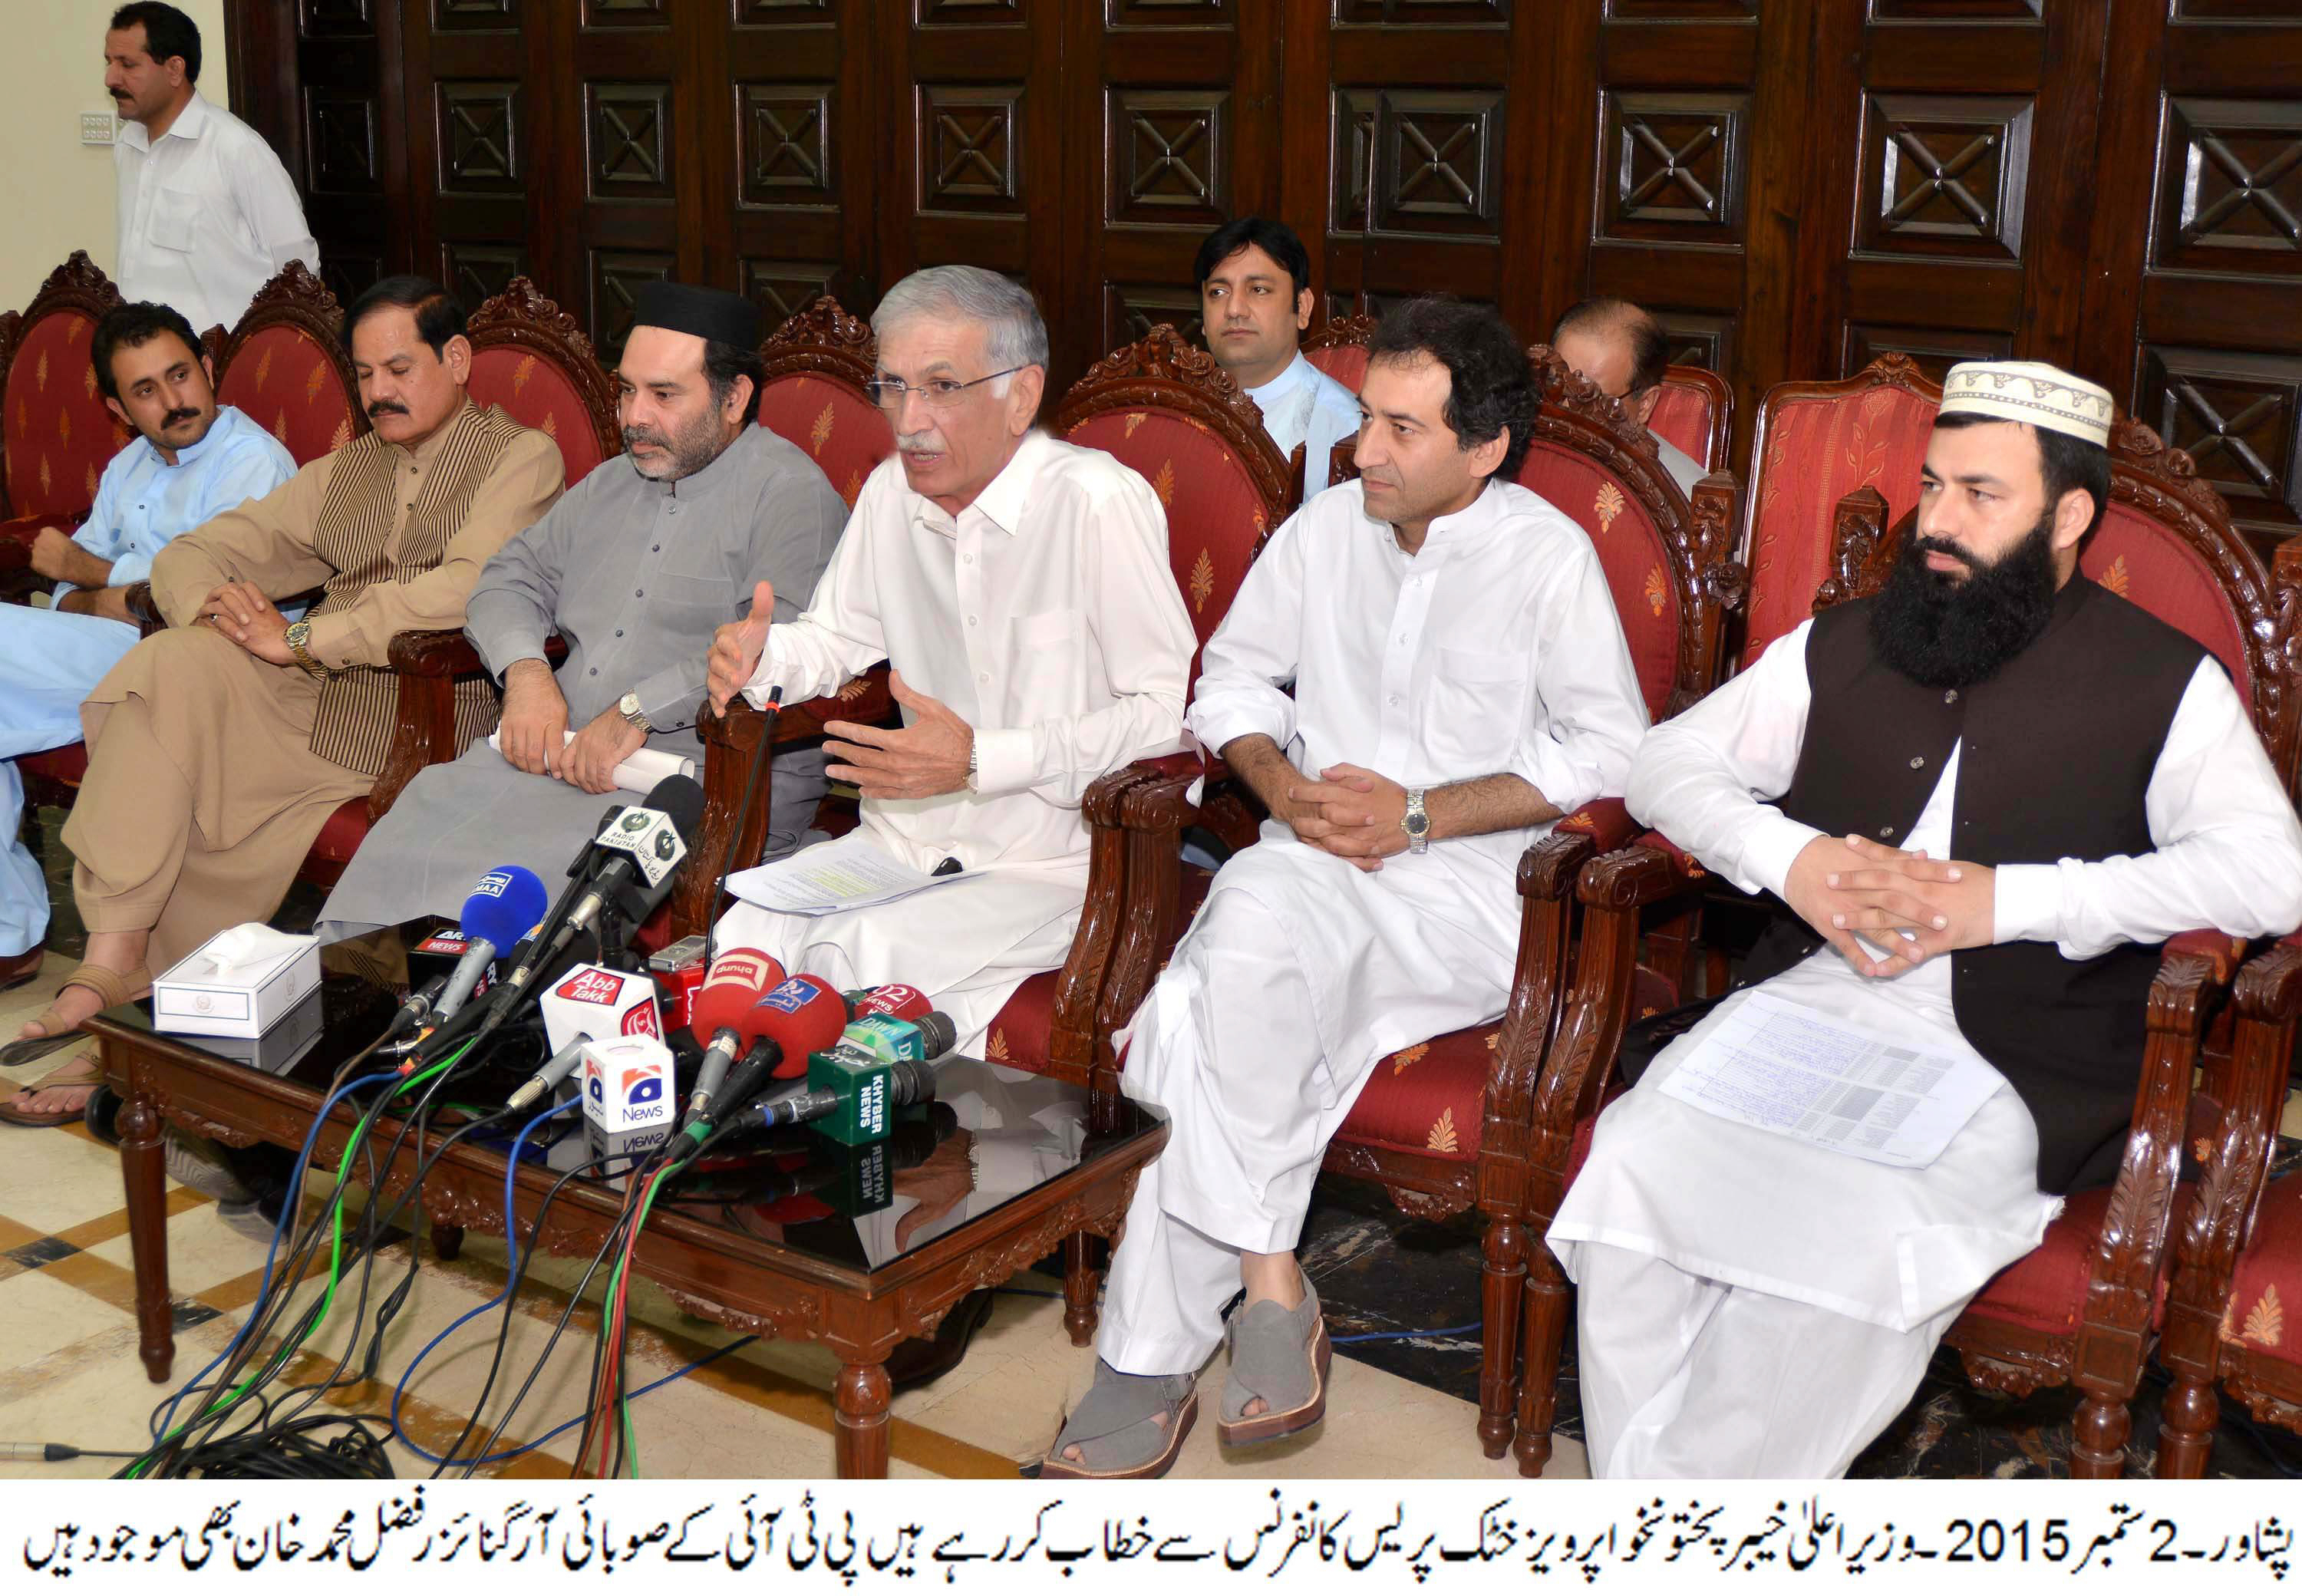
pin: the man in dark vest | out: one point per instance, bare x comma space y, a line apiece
218, 747
1988, 793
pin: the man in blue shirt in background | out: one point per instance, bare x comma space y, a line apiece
192, 459
1254, 301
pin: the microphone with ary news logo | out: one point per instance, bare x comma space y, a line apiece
503, 907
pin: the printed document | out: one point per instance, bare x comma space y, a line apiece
848, 873
1797, 1072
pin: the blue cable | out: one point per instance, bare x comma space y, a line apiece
167, 1415
1406, 1335
501, 1299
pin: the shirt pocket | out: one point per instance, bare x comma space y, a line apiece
1475, 712
689, 606
1043, 668
174, 219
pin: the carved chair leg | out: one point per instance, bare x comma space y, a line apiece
2098, 1438
1081, 1276
2186, 1428
447, 1242
1549, 1301
1502, 1290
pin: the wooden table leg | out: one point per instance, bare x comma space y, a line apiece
144, 1171
860, 1394
447, 1242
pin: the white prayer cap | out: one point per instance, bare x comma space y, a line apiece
2031, 390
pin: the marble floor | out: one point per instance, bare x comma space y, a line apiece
1402, 1403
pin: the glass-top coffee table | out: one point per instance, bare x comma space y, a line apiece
785, 1233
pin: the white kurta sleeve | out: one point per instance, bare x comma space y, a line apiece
1705, 777
840, 636
1137, 621
274, 214
1257, 649
2229, 854
1590, 719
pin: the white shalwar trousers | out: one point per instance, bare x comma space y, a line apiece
1299, 976
1684, 1378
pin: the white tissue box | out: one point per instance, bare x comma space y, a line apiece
282, 1047
199, 999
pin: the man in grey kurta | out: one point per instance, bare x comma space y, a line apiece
635, 568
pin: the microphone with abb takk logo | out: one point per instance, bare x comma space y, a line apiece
719, 1016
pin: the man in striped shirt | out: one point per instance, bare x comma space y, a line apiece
219, 747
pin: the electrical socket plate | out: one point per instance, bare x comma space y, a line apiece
96, 127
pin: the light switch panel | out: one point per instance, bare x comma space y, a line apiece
96, 127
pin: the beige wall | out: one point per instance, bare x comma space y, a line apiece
56, 193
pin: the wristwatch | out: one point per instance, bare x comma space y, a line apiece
300, 644
1416, 822
970, 764
629, 707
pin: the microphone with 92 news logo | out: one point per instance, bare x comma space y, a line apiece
628, 1106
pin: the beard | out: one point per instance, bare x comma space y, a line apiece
1943, 631
692, 447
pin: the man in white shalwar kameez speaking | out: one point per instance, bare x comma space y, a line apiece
1991, 790
1020, 587
1460, 680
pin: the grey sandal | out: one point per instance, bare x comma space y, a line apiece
1113, 1427
1281, 1355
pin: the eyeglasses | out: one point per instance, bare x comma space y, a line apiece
939, 392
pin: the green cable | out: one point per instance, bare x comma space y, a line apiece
335, 1256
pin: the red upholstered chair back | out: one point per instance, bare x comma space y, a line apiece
817, 364
1339, 350
1695, 414
283, 366
55, 435
529, 356
1593, 463
1170, 412
1817, 442
2166, 544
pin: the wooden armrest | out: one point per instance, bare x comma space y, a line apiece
139, 601
2130, 1253
1861, 548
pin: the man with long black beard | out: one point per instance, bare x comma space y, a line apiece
1988, 793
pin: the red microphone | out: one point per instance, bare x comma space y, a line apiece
802, 1015
720, 1015
895, 1000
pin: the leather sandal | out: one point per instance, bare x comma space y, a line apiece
1281, 1355
112, 988
1113, 1427
80, 1072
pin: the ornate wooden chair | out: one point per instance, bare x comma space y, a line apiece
1444, 1124
817, 364
55, 434
530, 357
2237, 1269
1340, 348
1696, 413
283, 366
2083, 1308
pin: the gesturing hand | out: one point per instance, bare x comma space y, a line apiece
242, 612
590, 761
533, 729
1353, 813
924, 760
736, 648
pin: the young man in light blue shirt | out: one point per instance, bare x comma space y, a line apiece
1254, 301
192, 459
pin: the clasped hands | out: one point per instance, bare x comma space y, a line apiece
243, 612
1850, 885
1351, 812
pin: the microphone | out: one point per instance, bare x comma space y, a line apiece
503, 908
789, 1023
557, 1069
414, 1006
894, 1000
876, 1066
718, 1015
629, 866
